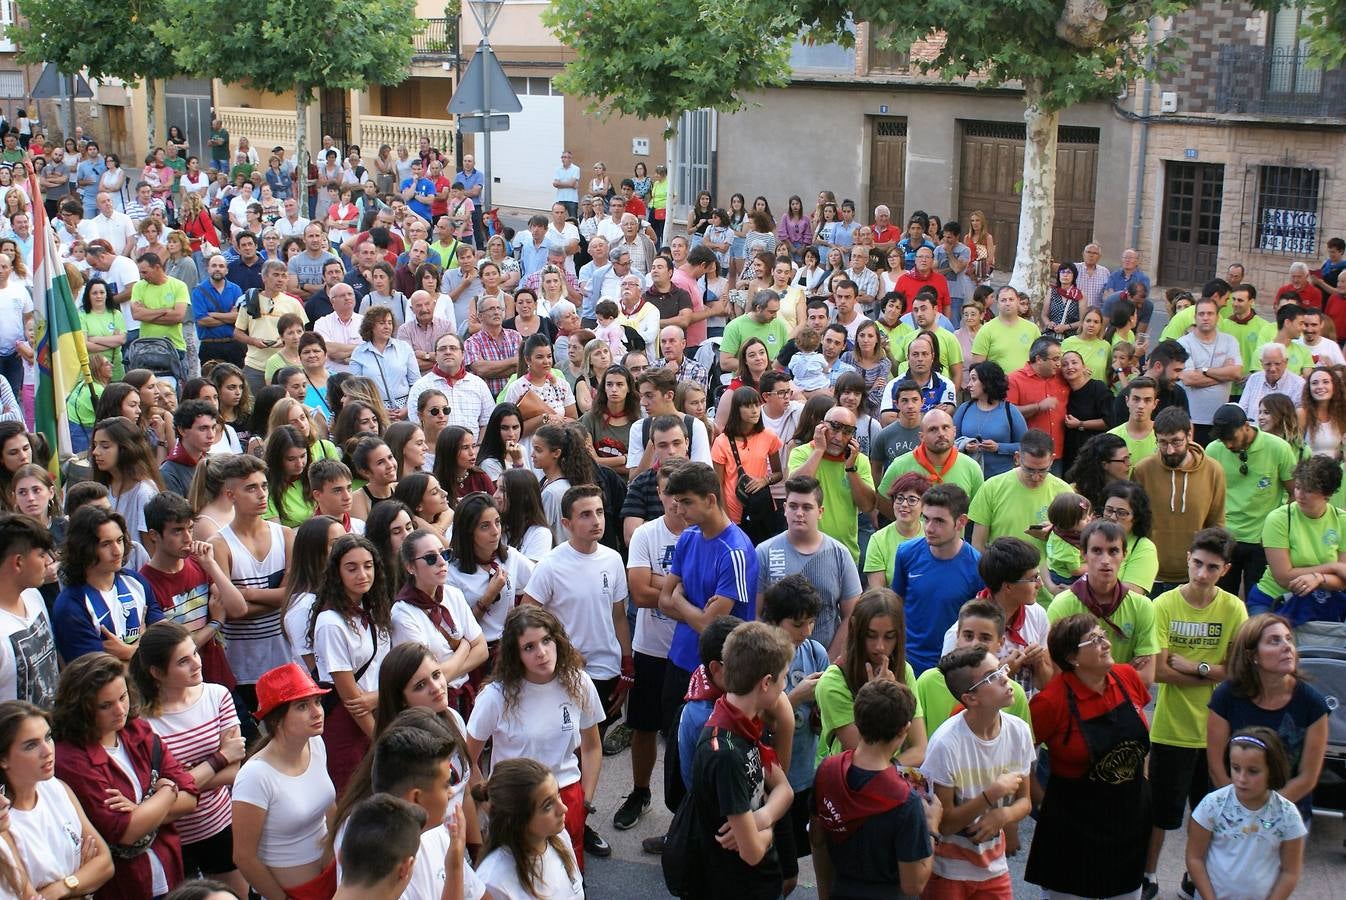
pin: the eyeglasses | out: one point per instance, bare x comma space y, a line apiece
785, 394
999, 675
1097, 639
906, 500
1123, 459
1243, 462
431, 558
1176, 444
1116, 512
1036, 579
1030, 470
844, 429
437, 410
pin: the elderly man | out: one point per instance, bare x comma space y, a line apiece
1309, 293
256, 325
555, 257
423, 329
604, 280
1093, 277
291, 223
833, 457
640, 247
925, 275
1119, 280
673, 355
886, 234
493, 352
404, 276
470, 400
1272, 378
866, 282
113, 226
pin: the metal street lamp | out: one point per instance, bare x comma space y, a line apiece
486, 12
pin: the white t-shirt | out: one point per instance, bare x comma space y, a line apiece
50, 834
428, 875
295, 623
339, 646
561, 240
652, 548
411, 625
1033, 631
518, 569
635, 443
545, 725
1202, 402
580, 589
28, 667
498, 873
957, 758
552, 492
296, 807
1244, 858
1325, 352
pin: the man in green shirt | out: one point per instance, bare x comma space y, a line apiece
925, 313
1012, 504
1247, 327
1138, 430
1289, 329
159, 303
1258, 476
219, 146
13, 152
1007, 338
936, 458
1184, 319
761, 322
833, 458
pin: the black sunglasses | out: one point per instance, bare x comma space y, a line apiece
429, 558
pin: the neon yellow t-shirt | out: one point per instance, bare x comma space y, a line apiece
933, 697
950, 351
1063, 557
1097, 354
1007, 508
1140, 448
1140, 567
1197, 635
1311, 542
168, 295
836, 706
965, 473
881, 552
1135, 617
839, 509
1007, 345
1250, 498
1250, 335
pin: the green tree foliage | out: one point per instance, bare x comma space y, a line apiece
293, 45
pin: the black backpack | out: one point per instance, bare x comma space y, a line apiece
684, 870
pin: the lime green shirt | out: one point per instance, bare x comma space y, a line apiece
1063, 557
965, 473
1250, 335
105, 324
1007, 345
1250, 498
881, 553
839, 510
1197, 635
1298, 358
1135, 617
1139, 447
950, 351
774, 334
1184, 319
836, 707
295, 508
168, 295
1140, 567
898, 336
933, 697
1097, 354
1007, 508
1311, 542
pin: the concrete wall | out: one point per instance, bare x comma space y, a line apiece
834, 125
609, 140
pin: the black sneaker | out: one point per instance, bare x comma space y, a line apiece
1149, 889
1187, 890
637, 803
654, 844
594, 844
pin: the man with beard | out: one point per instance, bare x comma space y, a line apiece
1186, 490
1164, 364
936, 458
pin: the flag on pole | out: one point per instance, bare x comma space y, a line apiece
62, 355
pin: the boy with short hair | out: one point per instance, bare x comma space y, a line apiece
189, 584
876, 827
29, 669
978, 763
736, 780
329, 481
981, 623
1194, 624
1142, 395
379, 847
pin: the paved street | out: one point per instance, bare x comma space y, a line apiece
629, 873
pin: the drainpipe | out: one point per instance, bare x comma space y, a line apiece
1144, 133
714, 181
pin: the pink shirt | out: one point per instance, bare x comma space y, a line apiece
696, 332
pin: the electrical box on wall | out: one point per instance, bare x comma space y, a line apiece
1168, 101
640, 146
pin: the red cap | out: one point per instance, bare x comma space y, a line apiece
284, 684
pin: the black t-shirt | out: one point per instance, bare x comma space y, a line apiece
866, 865
1092, 401
1174, 396
727, 780
671, 303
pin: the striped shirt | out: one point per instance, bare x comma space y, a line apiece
192, 735
481, 346
255, 645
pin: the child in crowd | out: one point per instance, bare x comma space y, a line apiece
978, 763
807, 365
609, 331
876, 827
981, 623
1069, 513
1245, 840
1125, 366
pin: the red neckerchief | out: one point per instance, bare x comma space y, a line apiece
1013, 624
1072, 293
346, 521
632, 312
841, 810
180, 455
451, 379
434, 610
700, 687
1102, 609
1252, 315
729, 717
923, 460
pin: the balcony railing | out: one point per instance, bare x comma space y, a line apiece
437, 40
266, 128
1274, 81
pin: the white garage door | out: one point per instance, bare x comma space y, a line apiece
524, 159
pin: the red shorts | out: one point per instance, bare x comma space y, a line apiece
998, 888
321, 887
573, 797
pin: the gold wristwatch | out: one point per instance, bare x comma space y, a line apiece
71, 883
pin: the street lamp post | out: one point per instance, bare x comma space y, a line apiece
486, 12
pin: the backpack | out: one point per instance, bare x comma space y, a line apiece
156, 354
684, 872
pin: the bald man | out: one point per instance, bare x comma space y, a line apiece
833, 457
423, 329
936, 458
673, 355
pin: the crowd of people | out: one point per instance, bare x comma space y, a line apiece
384, 527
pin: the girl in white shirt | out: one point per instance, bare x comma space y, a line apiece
529, 853
349, 627
542, 705
490, 574
308, 559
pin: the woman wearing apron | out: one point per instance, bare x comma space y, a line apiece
1097, 739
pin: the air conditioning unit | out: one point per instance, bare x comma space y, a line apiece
1168, 102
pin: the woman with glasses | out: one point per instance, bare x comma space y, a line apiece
428, 611
880, 556
1091, 719
1127, 504
1127, 616
1102, 459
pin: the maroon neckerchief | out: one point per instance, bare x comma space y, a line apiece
841, 810
434, 610
1102, 609
1072, 293
700, 687
729, 717
1013, 624
180, 455
451, 379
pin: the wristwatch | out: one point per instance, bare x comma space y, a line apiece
1203, 670
71, 883
1205, 370
851, 469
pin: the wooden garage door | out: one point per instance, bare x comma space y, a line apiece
887, 167
991, 179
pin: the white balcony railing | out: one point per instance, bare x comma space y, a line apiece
393, 131
267, 128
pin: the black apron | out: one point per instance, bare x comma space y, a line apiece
1092, 832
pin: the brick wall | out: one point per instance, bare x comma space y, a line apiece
1206, 28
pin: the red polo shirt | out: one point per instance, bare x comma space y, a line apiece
1054, 725
911, 282
885, 235
1026, 386
1309, 295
